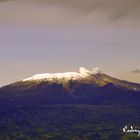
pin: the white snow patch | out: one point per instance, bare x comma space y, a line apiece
83, 72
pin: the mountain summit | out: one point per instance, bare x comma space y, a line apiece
94, 76
83, 87
83, 73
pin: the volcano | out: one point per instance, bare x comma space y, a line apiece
84, 105
84, 87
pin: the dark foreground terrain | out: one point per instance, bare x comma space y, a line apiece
67, 122
96, 107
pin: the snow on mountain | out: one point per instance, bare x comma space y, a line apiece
83, 72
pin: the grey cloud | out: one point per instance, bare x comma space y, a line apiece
136, 71
116, 12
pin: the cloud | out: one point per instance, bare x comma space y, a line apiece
136, 71
71, 12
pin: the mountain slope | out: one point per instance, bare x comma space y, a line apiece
87, 105
83, 87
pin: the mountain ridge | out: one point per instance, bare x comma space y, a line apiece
94, 76
94, 88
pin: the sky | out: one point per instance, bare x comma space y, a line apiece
39, 36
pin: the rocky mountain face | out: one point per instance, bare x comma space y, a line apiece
83, 87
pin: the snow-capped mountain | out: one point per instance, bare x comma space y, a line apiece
94, 76
83, 73
83, 87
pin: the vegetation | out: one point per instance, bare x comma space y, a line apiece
67, 122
